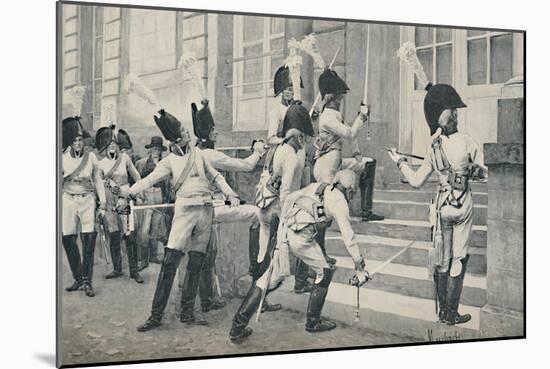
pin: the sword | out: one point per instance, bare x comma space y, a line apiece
318, 93
103, 231
274, 227
366, 88
405, 154
214, 203
354, 280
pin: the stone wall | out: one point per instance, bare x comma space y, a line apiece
504, 313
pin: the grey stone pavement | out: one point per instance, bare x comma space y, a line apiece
103, 328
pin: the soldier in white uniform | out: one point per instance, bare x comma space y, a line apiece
81, 184
192, 176
305, 213
282, 85
281, 176
204, 129
456, 158
333, 132
117, 168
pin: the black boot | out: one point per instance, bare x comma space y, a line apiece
366, 186
165, 280
239, 330
132, 251
75, 263
320, 238
116, 256
253, 249
301, 282
144, 254
88, 248
454, 290
190, 288
153, 252
206, 284
440, 280
314, 323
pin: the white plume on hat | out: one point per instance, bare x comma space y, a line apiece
310, 47
188, 64
294, 62
75, 97
407, 53
134, 85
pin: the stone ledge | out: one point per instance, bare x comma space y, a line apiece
504, 153
496, 322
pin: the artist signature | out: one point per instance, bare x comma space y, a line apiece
444, 337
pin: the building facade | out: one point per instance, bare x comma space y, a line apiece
238, 56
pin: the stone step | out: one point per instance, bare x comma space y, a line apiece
413, 210
411, 281
432, 186
422, 195
382, 311
415, 230
382, 248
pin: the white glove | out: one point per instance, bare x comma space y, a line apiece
364, 112
259, 147
394, 156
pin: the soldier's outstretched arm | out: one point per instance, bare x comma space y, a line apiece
161, 171
415, 178
337, 207
224, 162
215, 177
343, 130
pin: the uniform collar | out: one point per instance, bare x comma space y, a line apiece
293, 142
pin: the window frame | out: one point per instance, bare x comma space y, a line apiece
433, 46
238, 67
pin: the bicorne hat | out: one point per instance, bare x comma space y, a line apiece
297, 117
282, 80
71, 128
331, 83
169, 126
439, 98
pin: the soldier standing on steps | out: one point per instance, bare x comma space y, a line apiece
205, 131
192, 176
456, 159
81, 179
305, 212
332, 133
117, 167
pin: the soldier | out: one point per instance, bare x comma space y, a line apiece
204, 129
282, 85
332, 132
305, 212
456, 158
152, 225
117, 167
281, 176
193, 213
81, 183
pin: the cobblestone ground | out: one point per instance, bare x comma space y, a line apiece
103, 328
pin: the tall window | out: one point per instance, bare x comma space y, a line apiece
258, 52
435, 52
97, 63
70, 46
152, 41
490, 56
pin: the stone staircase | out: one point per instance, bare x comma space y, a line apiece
400, 298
